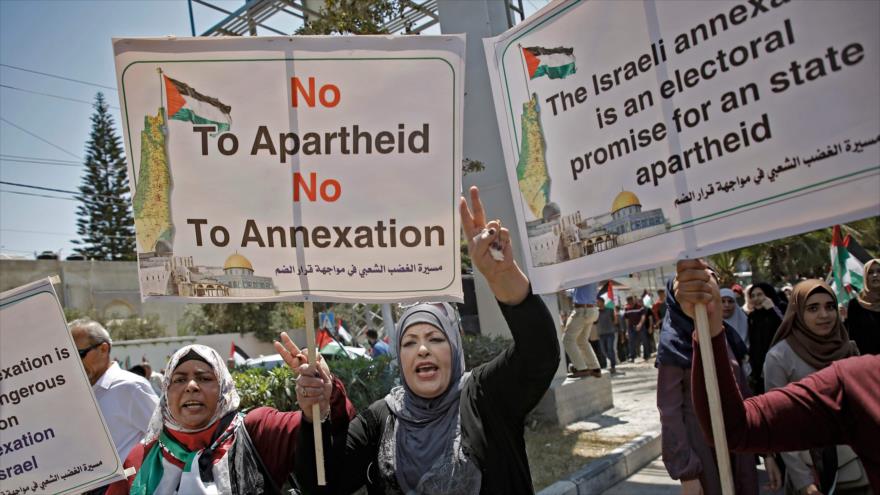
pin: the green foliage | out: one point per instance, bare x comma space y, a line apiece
366, 381
105, 223
800, 256
469, 166
131, 328
353, 17
71, 314
479, 349
258, 387
265, 320
135, 327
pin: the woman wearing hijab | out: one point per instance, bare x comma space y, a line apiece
837, 405
738, 320
444, 430
863, 312
198, 442
686, 454
734, 315
764, 320
810, 338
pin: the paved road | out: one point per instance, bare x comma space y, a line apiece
635, 404
653, 480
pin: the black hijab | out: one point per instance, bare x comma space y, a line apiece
770, 292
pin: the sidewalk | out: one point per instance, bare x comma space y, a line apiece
633, 423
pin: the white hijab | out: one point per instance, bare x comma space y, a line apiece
227, 401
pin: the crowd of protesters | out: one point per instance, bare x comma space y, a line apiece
786, 365
778, 341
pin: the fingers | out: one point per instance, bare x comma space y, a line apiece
503, 243
694, 291
289, 344
309, 386
289, 352
477, 206
467, 220
690, 264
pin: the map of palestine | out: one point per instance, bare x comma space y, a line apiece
531, 171
152, 198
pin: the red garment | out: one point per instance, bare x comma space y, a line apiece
839, 404
273, 433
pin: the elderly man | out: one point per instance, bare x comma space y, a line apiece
126, 400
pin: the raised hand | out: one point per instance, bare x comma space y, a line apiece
314, 384
695, 284
507, 281
289, 352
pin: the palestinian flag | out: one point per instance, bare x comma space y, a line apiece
237, 354
322, 338
186, 104
846, 269
555, 63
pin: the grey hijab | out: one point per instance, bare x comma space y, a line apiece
739, 320
425, 449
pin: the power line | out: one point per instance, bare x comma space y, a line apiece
22, 129
58, 77
36, 195
52, 96
66, 234
38, 187
91, 197
56, 160
37, 162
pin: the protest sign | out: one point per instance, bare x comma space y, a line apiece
53, 438
294, 168
637, 133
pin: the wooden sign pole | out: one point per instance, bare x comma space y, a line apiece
316, 409
711, 378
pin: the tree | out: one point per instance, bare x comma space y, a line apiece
264, 320
135, 327
353, 17
796, 257
105, 222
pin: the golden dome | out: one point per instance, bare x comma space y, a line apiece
237, 261
624, 199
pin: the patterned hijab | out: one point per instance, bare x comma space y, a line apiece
816, 350
426, 444
869, 299
227, 401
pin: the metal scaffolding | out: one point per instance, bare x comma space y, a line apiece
268, 16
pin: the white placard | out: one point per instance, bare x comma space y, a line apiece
53, 438
295, 168
636, 133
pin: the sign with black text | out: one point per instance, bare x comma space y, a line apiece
636, 133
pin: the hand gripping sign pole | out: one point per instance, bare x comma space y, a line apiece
711, 376
316, 409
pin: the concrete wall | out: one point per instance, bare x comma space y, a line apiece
102, 287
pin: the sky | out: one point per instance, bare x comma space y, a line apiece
43, 136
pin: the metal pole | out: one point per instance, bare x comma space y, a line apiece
387, 319
192, 22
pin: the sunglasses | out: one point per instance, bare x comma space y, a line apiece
84, 352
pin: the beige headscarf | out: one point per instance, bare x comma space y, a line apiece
869, 299
817, 350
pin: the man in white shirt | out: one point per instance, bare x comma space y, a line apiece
126, 400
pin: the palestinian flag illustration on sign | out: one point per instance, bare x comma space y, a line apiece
187, 104
555, 63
